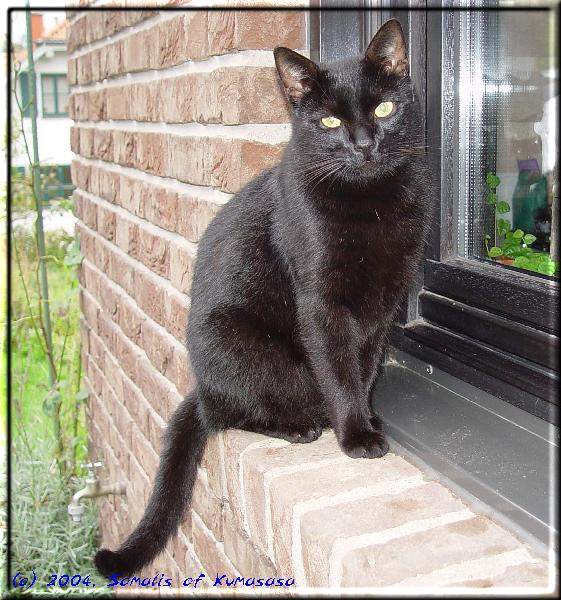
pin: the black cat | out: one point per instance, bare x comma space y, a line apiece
299, 278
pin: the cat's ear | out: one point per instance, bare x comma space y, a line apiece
387, 50
297, 72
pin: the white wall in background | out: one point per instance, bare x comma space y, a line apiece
53, 132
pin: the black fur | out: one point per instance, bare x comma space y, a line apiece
299, 278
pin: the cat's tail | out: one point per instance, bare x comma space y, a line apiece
184, 444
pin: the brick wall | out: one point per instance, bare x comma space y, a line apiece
173, 113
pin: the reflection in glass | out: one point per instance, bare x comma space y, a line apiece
500, 86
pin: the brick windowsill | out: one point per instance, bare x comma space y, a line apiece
263, 508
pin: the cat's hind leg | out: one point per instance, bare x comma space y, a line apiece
257, 377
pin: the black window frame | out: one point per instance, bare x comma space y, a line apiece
465, 316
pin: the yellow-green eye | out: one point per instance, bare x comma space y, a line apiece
384, 109
331, 122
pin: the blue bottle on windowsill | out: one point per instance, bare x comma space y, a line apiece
529, 202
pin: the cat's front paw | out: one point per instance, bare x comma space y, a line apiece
365, 444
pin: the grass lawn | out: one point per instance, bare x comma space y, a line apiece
3, 405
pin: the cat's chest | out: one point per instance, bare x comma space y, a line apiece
366, 265
353, 247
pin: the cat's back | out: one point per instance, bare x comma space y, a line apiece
234, 253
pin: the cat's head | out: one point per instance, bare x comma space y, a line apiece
354, 120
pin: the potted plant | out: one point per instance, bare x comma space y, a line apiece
515, 246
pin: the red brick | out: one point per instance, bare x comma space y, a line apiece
130, 319
139, 51
193, 215
84, 69
94, 180
96, 105
91, 280
89, 212
209, 552
151, 152
243, 553
101, 254
221, 31
172, 42
267, 29
106, 222
122, 272
175, 313
180, 371
114, 374
154, 251
157, 346
124, 148
75, 139
162, 210
158, 391
182, 263
112, 21
176, 99
103, 144
208, 506
132, 195
149, 294
188, 159
71, 72
128, 356
87, 141
261, 99
255, 157
95, 65
195, 33
107, 332
112, 60
145, 455
156, 427
212, 463
108, 185
80, 174
118, 101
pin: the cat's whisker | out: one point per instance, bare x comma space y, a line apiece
327, 175
317, 169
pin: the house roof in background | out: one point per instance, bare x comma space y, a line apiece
52, 40
56, 33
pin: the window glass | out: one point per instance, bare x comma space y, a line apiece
62, 92
500, 144
55, 95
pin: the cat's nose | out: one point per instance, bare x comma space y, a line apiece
365, 148
363, 143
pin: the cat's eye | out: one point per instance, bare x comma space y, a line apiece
384, 109
331, 122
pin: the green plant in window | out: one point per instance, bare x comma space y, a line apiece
514, 248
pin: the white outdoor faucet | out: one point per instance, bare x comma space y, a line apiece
93, 489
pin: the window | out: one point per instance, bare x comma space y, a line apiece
490, 80
484, 306
55, 95
473, 361
501, 81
